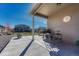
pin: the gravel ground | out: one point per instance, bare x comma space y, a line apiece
4, 39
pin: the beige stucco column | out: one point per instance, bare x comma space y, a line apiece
33, 27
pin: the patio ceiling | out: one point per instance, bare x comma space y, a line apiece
47, 9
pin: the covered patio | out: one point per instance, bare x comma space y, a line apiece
54, 12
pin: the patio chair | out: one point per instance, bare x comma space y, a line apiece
58, 37
48, 35
19, 36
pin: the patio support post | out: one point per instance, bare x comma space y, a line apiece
33, 27
46, 24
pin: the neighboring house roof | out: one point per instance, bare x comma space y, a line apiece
47, 9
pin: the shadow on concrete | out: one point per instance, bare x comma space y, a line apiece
65, 49
25, 50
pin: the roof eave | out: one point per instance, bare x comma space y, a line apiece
35, 8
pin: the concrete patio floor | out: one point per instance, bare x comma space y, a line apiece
38, 48
58, 49
16, 47
64, 49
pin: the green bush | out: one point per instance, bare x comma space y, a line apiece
77, 42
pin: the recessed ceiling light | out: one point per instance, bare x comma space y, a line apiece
66, 19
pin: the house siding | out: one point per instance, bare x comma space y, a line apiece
70, 30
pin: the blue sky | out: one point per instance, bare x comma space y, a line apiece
18, 13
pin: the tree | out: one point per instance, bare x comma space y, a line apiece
22, 28
1, 26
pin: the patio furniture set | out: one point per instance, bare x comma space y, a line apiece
53, 36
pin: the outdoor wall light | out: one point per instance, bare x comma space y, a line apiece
66, 19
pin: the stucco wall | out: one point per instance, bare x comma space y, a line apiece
70, 30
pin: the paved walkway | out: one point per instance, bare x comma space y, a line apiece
15, 47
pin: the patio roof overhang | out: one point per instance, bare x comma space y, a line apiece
35, 8
47, 9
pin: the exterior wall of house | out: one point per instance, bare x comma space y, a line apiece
70, 30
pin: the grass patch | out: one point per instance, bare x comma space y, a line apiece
24, 33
